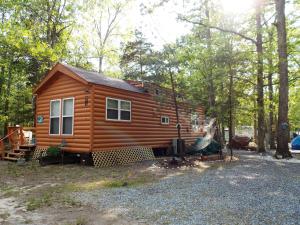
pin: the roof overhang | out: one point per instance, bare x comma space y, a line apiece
58, 68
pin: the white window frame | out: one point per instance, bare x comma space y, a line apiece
50, 117
119, 109
164, 117
195, 121
62, 116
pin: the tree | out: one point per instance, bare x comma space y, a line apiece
105, 17
283, 127
259, 65
269, 52
33, 35
260, 78
136, 58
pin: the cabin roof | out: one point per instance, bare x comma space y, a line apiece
97, 78
90, 77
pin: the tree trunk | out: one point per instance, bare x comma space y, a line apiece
260, 81
180, 142
211, 89
100, 64
176, 106
6, 100
230, 125
141, 63
1, 79
271, 104
230, 96
283, 127
255, 121
271, 124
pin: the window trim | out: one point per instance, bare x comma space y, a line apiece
59, 117
165, 117
195, 126
62, 116
119, 109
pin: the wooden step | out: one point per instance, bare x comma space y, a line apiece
16, 154
15, 150
22, 150
10, 158
27, 146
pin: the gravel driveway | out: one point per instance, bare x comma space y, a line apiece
252, 191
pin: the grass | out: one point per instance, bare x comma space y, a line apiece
8, 191
109, 183
48, 197
4, 216
79, 221
45, 199
68, 178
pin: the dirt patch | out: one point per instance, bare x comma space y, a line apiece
31, 194
11, 213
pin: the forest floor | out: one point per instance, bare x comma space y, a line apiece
252, 190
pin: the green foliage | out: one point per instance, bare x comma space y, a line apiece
35, 34
53, 151
139, 61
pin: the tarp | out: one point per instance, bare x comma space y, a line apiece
296, 143
211, 148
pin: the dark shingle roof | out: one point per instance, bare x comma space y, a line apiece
97, 78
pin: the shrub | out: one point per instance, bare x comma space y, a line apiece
53, 151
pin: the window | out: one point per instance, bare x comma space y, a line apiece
61, 116
125, 110
117, 109
55, 116
195, 122
68, 116
164, 120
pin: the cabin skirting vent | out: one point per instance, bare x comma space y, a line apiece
121, 156
39, 152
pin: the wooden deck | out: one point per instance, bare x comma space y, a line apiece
17, 145
24, 151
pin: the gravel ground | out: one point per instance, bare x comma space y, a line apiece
254, 190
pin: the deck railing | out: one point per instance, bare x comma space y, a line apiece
2, 146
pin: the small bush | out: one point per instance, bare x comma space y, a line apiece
53, 151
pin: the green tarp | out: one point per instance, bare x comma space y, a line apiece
200, 147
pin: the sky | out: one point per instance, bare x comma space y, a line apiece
162, 26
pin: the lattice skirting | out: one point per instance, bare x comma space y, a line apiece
121, 156
40, 151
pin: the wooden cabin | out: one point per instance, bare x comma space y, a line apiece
91, 112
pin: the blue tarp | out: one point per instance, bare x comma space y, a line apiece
296, 143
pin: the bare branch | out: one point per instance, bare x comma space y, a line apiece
244, 79
220, 29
